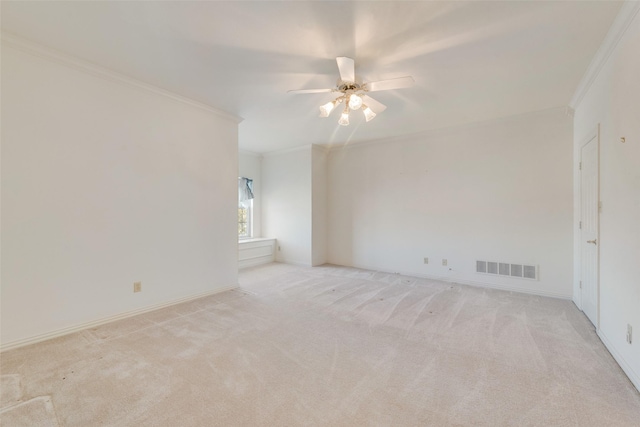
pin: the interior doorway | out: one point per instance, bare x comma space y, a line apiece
589, 226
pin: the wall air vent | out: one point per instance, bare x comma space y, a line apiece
503, 269
529, 272
492, 267
507, 269
481, 266
516, 270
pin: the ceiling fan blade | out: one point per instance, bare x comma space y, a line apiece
399, 83
310, 91
376, 106
347, 68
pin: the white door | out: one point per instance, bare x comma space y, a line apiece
589, 208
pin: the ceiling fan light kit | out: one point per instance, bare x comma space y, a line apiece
368, 113
355, 102
354, 95
327, 108
344, 118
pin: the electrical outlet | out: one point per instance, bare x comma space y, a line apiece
426, 260
444, 262
137, 286
629, 334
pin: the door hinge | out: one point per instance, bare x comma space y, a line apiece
580, 225
581, 284
580, 166
599, 206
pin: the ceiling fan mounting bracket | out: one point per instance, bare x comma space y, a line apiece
349, 86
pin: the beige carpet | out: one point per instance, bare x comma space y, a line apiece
328, 346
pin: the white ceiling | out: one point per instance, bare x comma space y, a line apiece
471, 61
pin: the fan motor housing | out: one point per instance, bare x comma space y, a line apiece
348, 86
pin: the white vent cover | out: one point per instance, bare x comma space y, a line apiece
504, 269
481, 266
507, 269
492, 267
529, 272
516, 270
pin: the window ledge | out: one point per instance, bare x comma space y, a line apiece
255, 239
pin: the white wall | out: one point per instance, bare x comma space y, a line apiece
250, 166
295, 204
498, 191
613, 101
286, 207
105, 183
319, 206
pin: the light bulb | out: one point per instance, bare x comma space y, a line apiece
327, 108
355, 102
344, 119
368, 113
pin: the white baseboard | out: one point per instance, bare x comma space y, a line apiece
298, 263
633, 376
92, 324
471, 283
576, 302
512, 289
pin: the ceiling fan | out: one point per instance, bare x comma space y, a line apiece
354, 94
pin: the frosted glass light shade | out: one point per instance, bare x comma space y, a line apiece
327, 108
344, 118
355, 102
368, 113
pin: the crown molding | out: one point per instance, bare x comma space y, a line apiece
321, 148
249, 153
626, 15
557, 111
17, 42
288, 150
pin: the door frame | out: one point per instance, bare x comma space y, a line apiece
594, 134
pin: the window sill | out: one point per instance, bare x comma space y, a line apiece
254, 239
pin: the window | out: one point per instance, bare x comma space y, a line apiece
244, 219
245, 207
